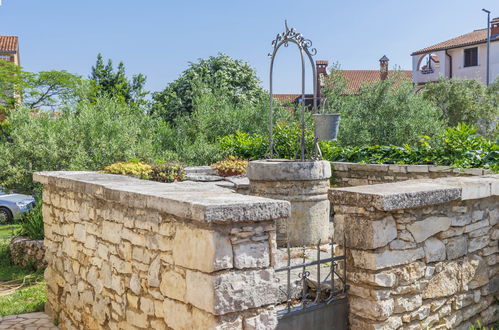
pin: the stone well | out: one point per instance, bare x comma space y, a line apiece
304, 185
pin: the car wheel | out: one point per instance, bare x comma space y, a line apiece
5, 216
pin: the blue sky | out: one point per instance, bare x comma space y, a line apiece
159, 37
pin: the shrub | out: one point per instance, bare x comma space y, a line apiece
32, 221
167, 172
132, 168
456, 147
231, 166
382, 113
466, 101
86, 136
287, 142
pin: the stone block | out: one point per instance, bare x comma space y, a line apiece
252, 255
471, 187
386, 258
393, 322
478, 243
395, 196
202, 249
461, 220
373, 309
407, 304
451, 279
396, 168
80, 233
386, 280
173, 285
476, 225
417, 169
153, 273
111, 231
177, 315
264, 320
137, 319
479, 232
428, 227
374, 233
408, 274
434, 250
451, 232
456, 247
231, 292
399, 244
147, 305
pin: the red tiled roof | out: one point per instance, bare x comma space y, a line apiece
284, 98
468, 39
355, 78
8, 44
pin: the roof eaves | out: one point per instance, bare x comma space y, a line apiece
431, 50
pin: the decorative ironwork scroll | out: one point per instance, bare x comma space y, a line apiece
305, 48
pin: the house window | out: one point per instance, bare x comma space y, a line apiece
5, 58
471, 57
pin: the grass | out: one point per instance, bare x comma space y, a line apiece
22, 289
7, 231
27, 300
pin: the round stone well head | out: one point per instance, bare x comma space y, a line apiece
304, 184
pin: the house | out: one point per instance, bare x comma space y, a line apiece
9, 49
463, 57
354, 80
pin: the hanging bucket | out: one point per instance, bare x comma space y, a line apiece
326, 126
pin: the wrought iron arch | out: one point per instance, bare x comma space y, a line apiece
305, 47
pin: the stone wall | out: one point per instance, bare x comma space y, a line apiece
27, 252
354, 174
420, 254
124, 253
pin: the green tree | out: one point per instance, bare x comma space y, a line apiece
35, 90
382, 113
219, 74
12, 84
106, 81
86, 136
466, 101
50, 89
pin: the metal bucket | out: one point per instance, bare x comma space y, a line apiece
326, 126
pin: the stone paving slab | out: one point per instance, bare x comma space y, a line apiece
31, 321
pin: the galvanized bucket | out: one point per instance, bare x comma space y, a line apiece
326, 126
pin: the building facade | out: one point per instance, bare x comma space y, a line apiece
9, 49
463, 57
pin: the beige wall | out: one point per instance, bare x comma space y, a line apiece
420, 254
124, 253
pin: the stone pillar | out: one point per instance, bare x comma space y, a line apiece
304, 185
124, 253
420, 254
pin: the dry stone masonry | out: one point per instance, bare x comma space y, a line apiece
124, 253
421, 254
27, 252
355, 174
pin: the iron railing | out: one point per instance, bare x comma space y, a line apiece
313, 292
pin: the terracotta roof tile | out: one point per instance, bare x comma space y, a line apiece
8, 43
284, 98
355, 78
468, 39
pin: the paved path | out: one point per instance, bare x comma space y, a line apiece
31, 321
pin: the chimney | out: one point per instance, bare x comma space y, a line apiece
494, 28
383, 67
321, 69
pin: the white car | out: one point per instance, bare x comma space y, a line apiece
12, 206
